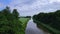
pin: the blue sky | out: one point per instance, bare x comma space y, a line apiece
31, 7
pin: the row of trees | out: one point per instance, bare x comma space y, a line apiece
52, 19
9, 21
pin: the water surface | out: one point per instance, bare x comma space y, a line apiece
32, 28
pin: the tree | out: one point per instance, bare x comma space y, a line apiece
9, 24
6, 11
52, 19
15, 13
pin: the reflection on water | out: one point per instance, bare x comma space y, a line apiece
32, 28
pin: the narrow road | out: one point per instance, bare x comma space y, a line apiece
32, 28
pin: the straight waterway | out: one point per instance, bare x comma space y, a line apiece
32, 28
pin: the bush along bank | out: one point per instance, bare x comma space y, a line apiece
49, 21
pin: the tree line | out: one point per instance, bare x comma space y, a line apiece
52, 19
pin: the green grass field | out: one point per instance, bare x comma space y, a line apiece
24, 24
24, 21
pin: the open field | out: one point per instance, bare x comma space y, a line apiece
24, 24
24, 19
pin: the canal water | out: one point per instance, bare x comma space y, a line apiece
32, 28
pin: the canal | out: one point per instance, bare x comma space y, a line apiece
32, 28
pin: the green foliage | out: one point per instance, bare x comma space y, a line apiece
15, 13
9, 24
52, 19
28, 16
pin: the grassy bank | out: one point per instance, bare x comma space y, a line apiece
47, 28
48, 21
24, 24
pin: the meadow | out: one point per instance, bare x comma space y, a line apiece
24, 22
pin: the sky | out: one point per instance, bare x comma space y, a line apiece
31, 7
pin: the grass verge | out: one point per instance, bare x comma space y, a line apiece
48, 28
24, 24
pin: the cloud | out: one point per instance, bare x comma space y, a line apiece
27, 7
31, 7
51, 1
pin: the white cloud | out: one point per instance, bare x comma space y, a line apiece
51, 1
26, 7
